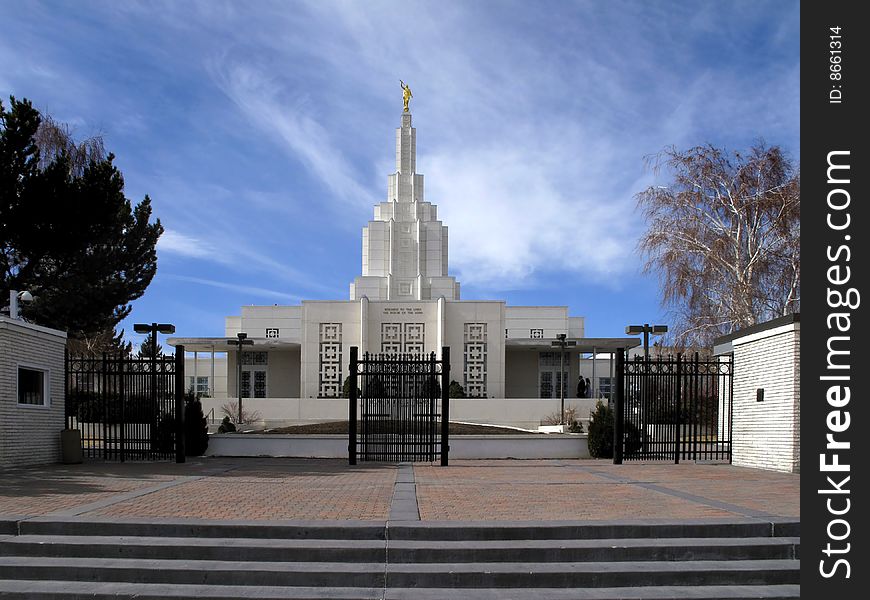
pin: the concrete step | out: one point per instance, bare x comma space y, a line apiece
202, 528
194, 572
423, 530
75, 590
598, 574
426, 575
741, 592
187, 548
81, 590
402, 551
594, 550
576, 530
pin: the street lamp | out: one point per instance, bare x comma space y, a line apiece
646, 329
561, 343
154, 329
240, 343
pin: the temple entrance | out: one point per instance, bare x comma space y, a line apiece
398, 407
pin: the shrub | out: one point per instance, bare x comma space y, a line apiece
231, 410
164, 436
601, 431
455, 390
226, 426
195, 427
572, 419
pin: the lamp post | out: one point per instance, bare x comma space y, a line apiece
240, 343
646, 329
561, 343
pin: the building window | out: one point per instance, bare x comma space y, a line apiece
409, 338
404, 288
330, 361
32, 386
255, 358
536, 334
259, 376
605, 387
200, 387
475, 354
271, 332
550, 370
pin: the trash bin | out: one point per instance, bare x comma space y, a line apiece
71, 446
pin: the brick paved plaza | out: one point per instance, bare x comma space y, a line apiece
283, 489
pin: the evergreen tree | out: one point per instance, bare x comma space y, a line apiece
67, 232
145, 350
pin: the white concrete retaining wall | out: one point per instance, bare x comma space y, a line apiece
335, 446
766, 434
525, 413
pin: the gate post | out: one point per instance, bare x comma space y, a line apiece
179, 404
351, 413
445, 405
677, 417
618, 437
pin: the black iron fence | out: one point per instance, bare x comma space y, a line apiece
127, 408
674, 409
398, 407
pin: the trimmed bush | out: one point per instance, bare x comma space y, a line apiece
455, 390
195, 427
601, 431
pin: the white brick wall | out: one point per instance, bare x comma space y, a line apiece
30, 434
766, 435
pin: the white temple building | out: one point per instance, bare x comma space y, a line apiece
404, 301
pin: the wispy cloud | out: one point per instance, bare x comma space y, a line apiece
246, 290
177, 243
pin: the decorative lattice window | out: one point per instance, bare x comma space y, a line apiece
399, 338
255, 358
272, 332
536, 334
330, 360
475, 355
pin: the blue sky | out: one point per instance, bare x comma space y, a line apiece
264, 132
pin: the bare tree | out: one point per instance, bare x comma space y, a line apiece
724, 238
54, 139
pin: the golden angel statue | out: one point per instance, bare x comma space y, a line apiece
406, 94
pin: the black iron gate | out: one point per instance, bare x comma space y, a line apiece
127, 408
674, 409
398, 407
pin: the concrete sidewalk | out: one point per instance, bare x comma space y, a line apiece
262, 489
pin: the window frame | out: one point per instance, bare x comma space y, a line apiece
46, 386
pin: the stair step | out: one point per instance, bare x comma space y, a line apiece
608, 550
402, 551
555, 530
186, 548
727, 592
202, 528
73, 590
426, 575
97, 590
598, 574
196, 572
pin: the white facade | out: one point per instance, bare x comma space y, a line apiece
403, 302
